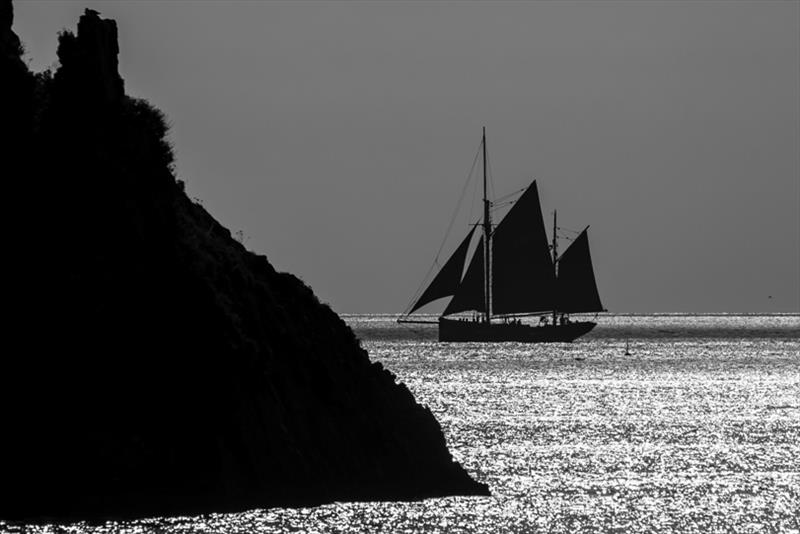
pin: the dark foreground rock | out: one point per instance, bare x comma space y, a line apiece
152, 365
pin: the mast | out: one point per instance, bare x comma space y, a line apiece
555, 261
487, 250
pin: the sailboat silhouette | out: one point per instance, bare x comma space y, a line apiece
512, 275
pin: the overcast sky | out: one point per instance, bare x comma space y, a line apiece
338, 136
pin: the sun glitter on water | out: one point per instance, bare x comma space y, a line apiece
696, 430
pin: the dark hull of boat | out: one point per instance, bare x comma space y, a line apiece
455, 330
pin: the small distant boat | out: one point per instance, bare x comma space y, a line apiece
627, 348
513, 275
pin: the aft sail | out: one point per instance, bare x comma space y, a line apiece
577, 289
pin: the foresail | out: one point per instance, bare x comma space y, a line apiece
448, 279
469, 295
577, 289
522, 269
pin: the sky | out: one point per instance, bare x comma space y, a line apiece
337, 136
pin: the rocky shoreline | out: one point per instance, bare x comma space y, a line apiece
154, 366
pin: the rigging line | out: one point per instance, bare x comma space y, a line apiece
472, 205
458, 206
419, 290
568, 229
513, 193
501, 208
500, 205
490, 174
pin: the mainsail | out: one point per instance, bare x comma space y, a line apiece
447, 281
577, 289
522, 270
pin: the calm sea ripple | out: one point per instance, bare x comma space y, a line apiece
696, 430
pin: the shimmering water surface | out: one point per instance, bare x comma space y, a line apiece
697, 430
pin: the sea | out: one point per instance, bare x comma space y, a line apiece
650, 423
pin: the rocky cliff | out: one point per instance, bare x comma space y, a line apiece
153, 366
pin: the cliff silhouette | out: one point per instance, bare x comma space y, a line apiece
152, 365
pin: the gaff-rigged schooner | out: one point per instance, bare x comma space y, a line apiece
511, 275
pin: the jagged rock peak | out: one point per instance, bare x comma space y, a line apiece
92, 58
10, 46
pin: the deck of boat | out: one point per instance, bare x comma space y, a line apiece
468, 330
